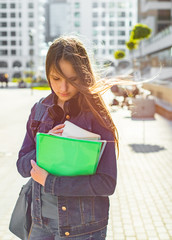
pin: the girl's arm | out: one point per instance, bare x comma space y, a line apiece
27, 151
103, 183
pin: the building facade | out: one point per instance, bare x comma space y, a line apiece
105, 23
157, 52
158, 49
21, 37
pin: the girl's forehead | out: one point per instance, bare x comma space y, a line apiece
65, 69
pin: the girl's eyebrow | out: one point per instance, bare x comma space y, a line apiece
73, 77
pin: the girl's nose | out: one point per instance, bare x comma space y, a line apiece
64, 85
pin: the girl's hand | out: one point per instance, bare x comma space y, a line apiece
57, 130
37, 173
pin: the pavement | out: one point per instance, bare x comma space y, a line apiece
141, 208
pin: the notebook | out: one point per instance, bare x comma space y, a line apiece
69, 156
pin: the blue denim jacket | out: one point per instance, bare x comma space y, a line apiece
83, 203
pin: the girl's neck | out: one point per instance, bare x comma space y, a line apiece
60, 104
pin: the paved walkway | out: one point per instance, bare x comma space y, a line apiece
141, 208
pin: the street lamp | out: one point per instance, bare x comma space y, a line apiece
31, 65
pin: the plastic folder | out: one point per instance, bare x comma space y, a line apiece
64, 156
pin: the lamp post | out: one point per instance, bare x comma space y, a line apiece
31, 59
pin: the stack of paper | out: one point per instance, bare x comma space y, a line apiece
70, 155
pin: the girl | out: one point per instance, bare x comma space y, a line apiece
74, 208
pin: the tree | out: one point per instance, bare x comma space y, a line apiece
132, 45
119, 54
140, 31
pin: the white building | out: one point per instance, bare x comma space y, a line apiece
158, 49
21, 36
158, 52
106, 23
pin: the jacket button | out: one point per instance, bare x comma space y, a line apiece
67, 233
67, 117
64, 208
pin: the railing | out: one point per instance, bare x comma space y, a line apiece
167, 31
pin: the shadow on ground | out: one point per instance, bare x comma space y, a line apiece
146, 148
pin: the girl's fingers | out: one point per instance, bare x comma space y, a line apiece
59, 126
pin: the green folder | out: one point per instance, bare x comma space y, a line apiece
63, 156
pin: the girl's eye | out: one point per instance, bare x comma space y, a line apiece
56, 79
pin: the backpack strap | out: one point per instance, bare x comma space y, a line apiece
39, 110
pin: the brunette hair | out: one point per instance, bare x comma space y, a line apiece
72, 49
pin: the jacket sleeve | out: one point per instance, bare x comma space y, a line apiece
102, 183
27, 151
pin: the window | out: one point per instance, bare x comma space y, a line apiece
130, 23
121, 24
95, 23
164, 15
31, 52
13, 43
3, 64
77, 14
3, 34
111, 14
13, 24
13, 33
130, 14
111, 51
103, 51
121, 5
95, 5
121, 33
13, 15
121, 14
77, 24
20, 24
77, 5
31, 24
111, 5
3, 52
95, 33
20, 14
103, 23
95, 51
12, 5
103, 33
162, 26
111, 33
95, 41
103, 42
20, 43
111, 42
121, 42
3, 24
13, 52
3, 15
3, 43
30, 5
103, 4
111, 24
103, 14
30, 15
3, 5
95, 14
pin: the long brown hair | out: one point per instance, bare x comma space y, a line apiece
71, 49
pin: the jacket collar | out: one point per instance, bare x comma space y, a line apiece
71, 107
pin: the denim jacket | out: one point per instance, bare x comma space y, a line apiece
83, 203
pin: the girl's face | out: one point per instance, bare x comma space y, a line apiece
61, 87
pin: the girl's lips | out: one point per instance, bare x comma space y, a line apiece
64, 94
